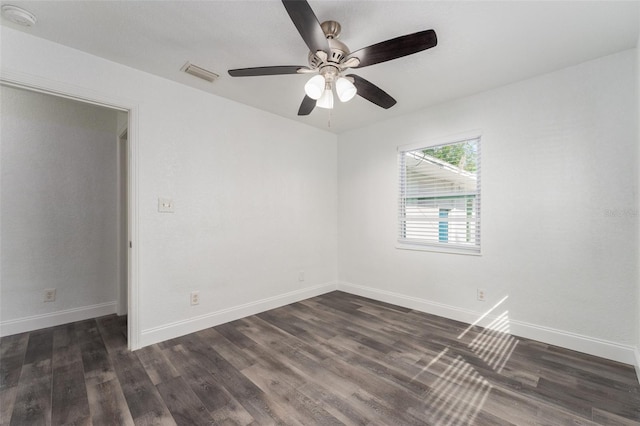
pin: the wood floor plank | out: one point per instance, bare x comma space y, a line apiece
40, 346
604, 417
12, 353
7, 400
314, 325
387, 393
277, 354
332, 359
226, 348
33, 399
229, 331
268, 335
15, 344
346, 397
232, 414
33, 406
65, 346
345, 321
113, 332
212, 394
144, 402
222, 406
363, 302
107, 404
10, 369
69, 405
252, 398
338, 406
156, 364
184, 405
96, 362
565, 395
302, 409
413, 378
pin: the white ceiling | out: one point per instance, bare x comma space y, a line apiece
481, 45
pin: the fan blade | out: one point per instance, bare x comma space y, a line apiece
307, 24
395, 48
372, 93
307, 106
253, 72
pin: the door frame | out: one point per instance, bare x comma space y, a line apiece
43, 85
124, 234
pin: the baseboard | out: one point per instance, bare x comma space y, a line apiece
191, 325
577, 342
602, 348
422, 305
37, 322
637, 364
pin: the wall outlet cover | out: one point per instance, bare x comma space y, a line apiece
482, 294
49, 295
165, 205
195, 298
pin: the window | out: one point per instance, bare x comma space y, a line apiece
439, 202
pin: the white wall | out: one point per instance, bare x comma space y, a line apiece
255, 194
255, 198
58, 195
559, 152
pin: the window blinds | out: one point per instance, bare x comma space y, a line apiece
439, 196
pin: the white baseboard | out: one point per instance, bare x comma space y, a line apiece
577, 342
602, 348
422, 305
37, 322
191, 325
637, 364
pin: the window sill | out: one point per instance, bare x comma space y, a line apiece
436, 249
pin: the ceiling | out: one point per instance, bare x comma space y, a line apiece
481, 45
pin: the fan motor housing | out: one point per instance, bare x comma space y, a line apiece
337, 49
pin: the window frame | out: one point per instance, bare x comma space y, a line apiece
438, 246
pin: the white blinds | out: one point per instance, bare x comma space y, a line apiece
439, 202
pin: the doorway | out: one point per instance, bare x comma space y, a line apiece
124, 145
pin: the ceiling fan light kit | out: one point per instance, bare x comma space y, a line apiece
315, 87
326, 100
329, 59
345, 89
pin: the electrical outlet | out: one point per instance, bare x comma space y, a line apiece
301, 276
165, 205
195, 298
482, 294
49, 295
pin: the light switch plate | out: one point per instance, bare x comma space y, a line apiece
165, 205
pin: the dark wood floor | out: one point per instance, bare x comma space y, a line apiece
333, 359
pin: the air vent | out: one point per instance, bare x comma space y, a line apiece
199, 72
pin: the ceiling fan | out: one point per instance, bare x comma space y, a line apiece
329, 59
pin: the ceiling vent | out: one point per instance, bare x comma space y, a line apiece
199, 72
